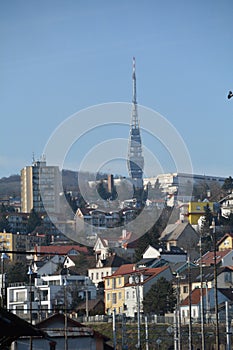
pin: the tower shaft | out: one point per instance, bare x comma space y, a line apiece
135, 157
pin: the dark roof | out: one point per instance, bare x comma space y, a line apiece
48, 322
173, 231
92, 304
12, 327
207, 274
114, 261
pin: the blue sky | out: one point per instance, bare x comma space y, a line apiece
59, 57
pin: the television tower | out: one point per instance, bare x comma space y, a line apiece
135, 159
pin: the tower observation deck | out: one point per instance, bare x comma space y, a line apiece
135, 160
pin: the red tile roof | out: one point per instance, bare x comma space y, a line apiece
195, 297
60, 249
124, 270
208, 258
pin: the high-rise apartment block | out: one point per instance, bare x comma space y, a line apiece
40, 188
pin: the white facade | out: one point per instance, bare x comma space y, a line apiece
47, 294
97, 274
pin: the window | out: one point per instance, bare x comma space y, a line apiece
20, 296
185, 289
114, 298
119, 295
108, 282
97, 275
92, 275
119, 281
127, 295
108, 296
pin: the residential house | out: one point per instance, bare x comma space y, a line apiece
226, 205
173, 255
226, 242
223, 258
122, 246
50, 250
66, 333
182, 280
47, 294
114, 288
182, 235
127, 286
208, 300
105, 267
93, 307
197, 209
138, 286
48, 266
14, 242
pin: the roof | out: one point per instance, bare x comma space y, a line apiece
195, 276
114, 261
173, 231
92, 304
60, 249
149, 273
124, 270
224, 237
195, 297
208, 258
76, 328
12, 327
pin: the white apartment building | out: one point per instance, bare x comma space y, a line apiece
47, 294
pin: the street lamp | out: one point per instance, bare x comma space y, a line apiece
4, 256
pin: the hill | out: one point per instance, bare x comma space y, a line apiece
10, 186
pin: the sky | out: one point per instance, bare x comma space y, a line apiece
60, 58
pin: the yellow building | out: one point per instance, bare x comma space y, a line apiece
197, 209
13, 243
226, 242
114, 288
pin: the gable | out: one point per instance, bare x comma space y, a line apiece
151, 252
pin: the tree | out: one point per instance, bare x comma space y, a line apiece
161, 298
151, 237
33, 221
16, 272
4, 223
208, 216
228, 184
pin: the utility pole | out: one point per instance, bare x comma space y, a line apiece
201, 299
228, 328
146, 331
190, 306
114, 328
137, 280
30, 273
215, 287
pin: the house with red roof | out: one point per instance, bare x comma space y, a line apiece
208, 299
50, 250
128, 285
223, 258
